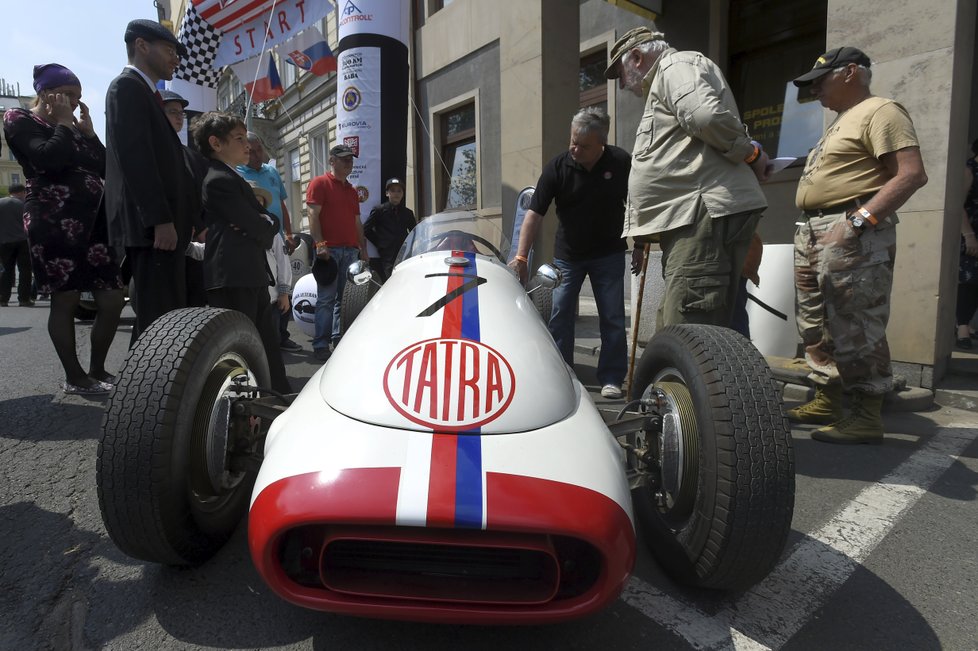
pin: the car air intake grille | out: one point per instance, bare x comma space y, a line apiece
525, 574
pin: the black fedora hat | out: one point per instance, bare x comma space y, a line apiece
324, 271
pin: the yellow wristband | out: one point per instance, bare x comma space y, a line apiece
753, 157
521, 258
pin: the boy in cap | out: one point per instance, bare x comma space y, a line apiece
694, 177
146, 180
864, 168
388, 226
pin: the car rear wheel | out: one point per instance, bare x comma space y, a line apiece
171, 488
717, 507
355, 298
543, 300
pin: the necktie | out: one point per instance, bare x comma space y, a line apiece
159, 98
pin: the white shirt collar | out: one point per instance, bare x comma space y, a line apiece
149, 82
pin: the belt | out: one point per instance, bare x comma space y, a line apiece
847, 206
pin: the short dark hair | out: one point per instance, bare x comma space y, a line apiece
213, 123
974, 147
15, 188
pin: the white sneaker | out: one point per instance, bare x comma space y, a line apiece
611, 391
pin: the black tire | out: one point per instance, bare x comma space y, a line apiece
355, 298
725, 524
543, 300
156, 427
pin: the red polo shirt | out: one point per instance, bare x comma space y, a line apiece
339, 209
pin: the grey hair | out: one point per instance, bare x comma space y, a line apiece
592, 119
866, 77
254, 137
655, 47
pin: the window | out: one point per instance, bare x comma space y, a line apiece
592, 82
14, 178
458, 151
319, 154
771, 43
288, 72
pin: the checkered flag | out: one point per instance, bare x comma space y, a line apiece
201, 41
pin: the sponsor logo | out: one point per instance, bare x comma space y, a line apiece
449, 384
352, 13
352, 60
351, 98
353, 142
363, 193
352, 124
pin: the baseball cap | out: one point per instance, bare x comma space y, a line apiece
629, 39
393, 181
831, 60
150, 30
341, 151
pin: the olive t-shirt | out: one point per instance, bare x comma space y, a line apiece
845, 164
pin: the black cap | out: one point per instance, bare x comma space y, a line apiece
341, 151
150, 30
831, 60
170, 96
324, 271
393, 181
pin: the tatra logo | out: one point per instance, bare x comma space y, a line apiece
449, 384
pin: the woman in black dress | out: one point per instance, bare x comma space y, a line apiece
968, 261
64, 163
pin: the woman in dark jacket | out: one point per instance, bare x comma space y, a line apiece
64, 163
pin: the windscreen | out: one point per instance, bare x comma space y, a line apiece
455, 231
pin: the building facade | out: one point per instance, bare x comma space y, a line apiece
494, 85
10, 171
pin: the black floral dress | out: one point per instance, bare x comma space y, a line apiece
68, 234
968, 265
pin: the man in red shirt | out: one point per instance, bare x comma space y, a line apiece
334, 219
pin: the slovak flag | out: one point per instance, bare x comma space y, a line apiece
259, 76
309, 51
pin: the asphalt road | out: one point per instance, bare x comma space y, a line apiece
882, 553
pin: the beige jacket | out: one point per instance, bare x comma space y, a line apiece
689, 148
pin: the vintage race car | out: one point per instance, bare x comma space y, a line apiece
445, 464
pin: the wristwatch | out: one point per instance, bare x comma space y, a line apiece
860, 218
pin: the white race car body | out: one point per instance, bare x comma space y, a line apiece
445, 464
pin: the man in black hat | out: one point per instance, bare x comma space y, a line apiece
388, 226
146, 180
334, 220
864, 168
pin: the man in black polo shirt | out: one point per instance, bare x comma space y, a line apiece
589, 183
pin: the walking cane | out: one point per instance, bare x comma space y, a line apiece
637, 319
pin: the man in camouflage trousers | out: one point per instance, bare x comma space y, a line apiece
864, 168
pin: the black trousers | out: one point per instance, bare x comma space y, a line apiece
967, 303
254, 303
160, 283
15, 254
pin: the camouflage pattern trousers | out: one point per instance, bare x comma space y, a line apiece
842, 301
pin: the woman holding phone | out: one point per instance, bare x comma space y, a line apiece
64, 163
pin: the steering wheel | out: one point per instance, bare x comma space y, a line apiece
471, 239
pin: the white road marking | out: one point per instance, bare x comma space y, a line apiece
770, 613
